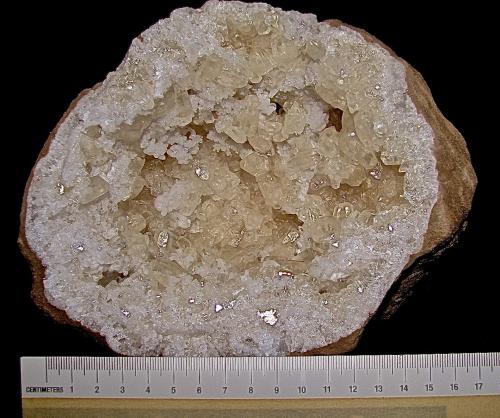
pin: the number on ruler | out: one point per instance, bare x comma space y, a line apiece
353, 388
429, 387
327, 389
403, 388
378, 388
453, 387
478, 386
301, 389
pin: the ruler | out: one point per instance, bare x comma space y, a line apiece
426, 375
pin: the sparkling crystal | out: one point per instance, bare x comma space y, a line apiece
390, 228
292, 236
202, 173
126, 313
376, 173
162, 240
218, 308
60, 188
270, 316
318, 182
230, 304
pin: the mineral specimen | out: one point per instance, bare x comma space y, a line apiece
247, 182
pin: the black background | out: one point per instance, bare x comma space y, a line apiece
63, 51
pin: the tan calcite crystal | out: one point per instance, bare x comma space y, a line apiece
253, 189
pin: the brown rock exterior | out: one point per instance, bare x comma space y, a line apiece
457, 185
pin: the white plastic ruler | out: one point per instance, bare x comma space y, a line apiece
262, 377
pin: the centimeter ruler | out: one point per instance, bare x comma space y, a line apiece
420, 375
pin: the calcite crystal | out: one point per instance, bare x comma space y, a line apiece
247, 182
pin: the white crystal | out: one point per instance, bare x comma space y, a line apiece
292, 236
60, 188
202, 173
269, 317
162, 240
250, 105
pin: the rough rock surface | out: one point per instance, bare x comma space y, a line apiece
253, 190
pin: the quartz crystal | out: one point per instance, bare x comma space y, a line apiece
247, 182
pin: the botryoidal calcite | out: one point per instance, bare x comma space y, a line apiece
247, 182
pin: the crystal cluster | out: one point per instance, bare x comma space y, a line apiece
248, 182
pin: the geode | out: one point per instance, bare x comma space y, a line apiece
247, 182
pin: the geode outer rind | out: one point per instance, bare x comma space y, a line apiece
446, 214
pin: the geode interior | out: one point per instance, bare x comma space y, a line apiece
247, 182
